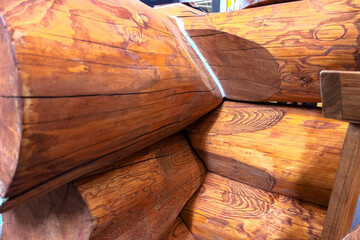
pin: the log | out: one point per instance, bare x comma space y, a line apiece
86, 82
179, 231
178, 10
278, 51
340, 95
282, 149
139, 199
345, 194
354, 235
227, 209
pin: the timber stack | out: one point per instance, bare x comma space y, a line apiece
120, 121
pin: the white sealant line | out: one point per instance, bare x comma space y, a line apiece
181, 25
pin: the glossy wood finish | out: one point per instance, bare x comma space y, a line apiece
178, 10
344, 196
341, 95
354, 235
227, 209
137, 199
93, 81
303, 37
179, 231
286, 150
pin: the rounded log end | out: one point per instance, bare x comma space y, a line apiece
60, 214
10, 111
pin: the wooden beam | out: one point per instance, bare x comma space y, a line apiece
282, 149
346, 189
340, 95
179, 231
354, 235
137, 199
277, 49
86, 82
227, 209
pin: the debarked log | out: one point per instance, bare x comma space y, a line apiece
85, 82
137, 199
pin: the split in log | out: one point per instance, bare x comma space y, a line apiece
285, 150
178, 10
179, 231
291, 41
227, 209
85, 82
341, 95
139, 199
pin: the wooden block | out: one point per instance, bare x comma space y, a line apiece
179, 231
139, 199
84, 82
227, 209
280, 50
282, 149
354, 235
340, 92
344, 196
178, 10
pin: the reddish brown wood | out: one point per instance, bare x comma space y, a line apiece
354, 235
139, 198
179, 231
286, 150
93, 81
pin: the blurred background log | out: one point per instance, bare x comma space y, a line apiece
89, 82
281, 149
137, 199
322, 35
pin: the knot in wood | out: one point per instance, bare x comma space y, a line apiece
134, 38
306, 79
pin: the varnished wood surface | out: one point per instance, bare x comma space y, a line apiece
179, 231
94, 80
178, 10
139, 198
354, 235
227, 209
340, 92
344, 196
304, 37
286, 150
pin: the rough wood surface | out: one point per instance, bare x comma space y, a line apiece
227, 209
354, 235
179, 10
302, 37
340, 92
135, 199
286, 150
91, 79
344, 196
179, 231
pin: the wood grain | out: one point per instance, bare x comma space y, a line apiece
92, 81
179, 231
286, 150
344, 196
340, 92
322, 36
135, 199
354, 235
227, 209
178, 10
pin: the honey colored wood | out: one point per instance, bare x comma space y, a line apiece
354, 235
340, 92
179, 231
281, 149
303, 37
344, 196
86, 82
137, 199
227, 209
178, 10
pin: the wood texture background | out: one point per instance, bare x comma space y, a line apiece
286, 150
227, 209
94, 80
137, 199
304, 37
179, 231
340, 95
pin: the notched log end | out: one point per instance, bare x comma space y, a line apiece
331, 94
61, 214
